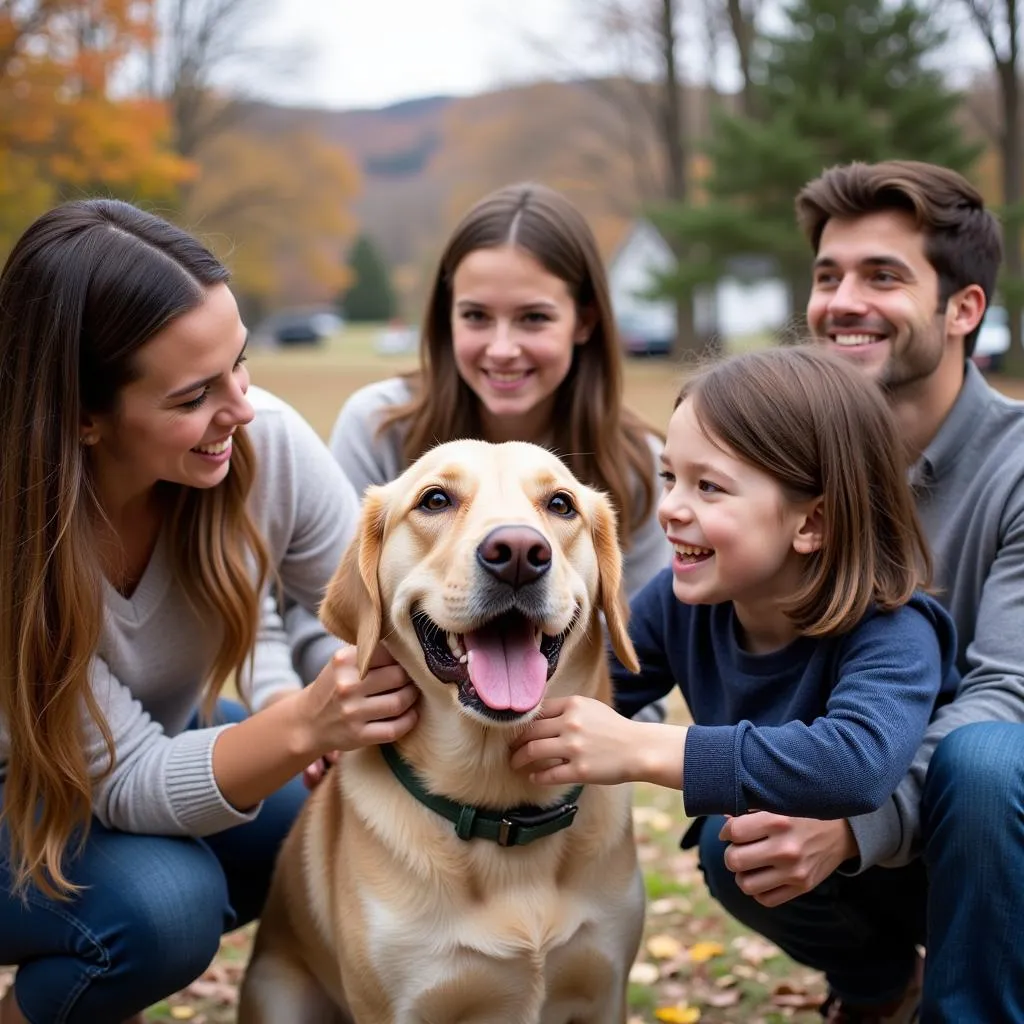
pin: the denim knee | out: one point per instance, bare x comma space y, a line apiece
975, 777
153, 928
175, 915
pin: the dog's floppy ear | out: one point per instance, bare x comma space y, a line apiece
613, 602
351, 608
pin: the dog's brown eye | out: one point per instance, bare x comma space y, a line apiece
434, 500
561, 504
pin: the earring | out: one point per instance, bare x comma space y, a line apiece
89, 439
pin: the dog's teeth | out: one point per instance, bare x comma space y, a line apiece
454, 645
463, 658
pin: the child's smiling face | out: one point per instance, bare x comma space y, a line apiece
736, 535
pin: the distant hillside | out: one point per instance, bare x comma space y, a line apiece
424, 161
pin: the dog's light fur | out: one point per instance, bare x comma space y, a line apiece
379, 913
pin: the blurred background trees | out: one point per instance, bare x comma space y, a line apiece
686, 126
370, 298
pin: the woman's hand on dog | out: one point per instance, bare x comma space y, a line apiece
580, 740
344, 712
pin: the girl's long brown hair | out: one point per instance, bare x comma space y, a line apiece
86, 286
602, 442
823, 430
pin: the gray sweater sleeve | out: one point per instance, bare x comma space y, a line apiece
322, 521
992, 689
160, 785
150, 670
365, 457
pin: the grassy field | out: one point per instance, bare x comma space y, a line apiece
696, 964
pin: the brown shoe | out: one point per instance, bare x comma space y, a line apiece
904, 1009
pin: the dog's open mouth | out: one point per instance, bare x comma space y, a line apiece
501, 668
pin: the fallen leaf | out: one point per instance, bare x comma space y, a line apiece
726, 997
664, 947
644, 974
182, 1013
754, 949
216, 991
666, 905
787, 994
704, 951
681, 1014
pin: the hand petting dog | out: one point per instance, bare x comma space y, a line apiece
583, 740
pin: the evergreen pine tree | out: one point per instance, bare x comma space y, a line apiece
844, 80
370, 298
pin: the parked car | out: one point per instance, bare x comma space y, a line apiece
645, 335
301, 327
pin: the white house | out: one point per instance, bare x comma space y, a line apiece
735, 307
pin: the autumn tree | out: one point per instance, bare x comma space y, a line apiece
271, 196
275, 206
844, 80
64, 132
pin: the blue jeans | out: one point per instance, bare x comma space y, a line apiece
861, 930
149, 922
973, 821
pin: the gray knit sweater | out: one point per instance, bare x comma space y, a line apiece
155, 651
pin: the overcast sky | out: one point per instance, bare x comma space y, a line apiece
368, 53
374, 52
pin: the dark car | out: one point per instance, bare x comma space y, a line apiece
645, 335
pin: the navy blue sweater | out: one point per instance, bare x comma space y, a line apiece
826, 727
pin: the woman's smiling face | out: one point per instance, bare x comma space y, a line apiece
174, 421
514, 331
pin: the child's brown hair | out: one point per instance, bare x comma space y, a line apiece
822, 429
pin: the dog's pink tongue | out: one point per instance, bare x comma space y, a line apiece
506, 667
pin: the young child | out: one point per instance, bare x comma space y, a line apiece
792, 618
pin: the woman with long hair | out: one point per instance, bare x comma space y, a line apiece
144, 514
518, 344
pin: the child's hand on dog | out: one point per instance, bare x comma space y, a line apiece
581, 740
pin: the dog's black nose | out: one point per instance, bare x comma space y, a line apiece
516, 555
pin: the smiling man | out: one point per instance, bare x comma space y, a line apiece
906, 259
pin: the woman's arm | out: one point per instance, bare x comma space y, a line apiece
338, 711
205, 780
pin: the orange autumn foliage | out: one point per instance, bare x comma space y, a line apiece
64, 129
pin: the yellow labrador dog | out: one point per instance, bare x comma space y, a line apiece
428, 883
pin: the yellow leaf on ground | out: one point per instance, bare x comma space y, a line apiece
701, 952
182, 1013
664, 947
681, 1014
